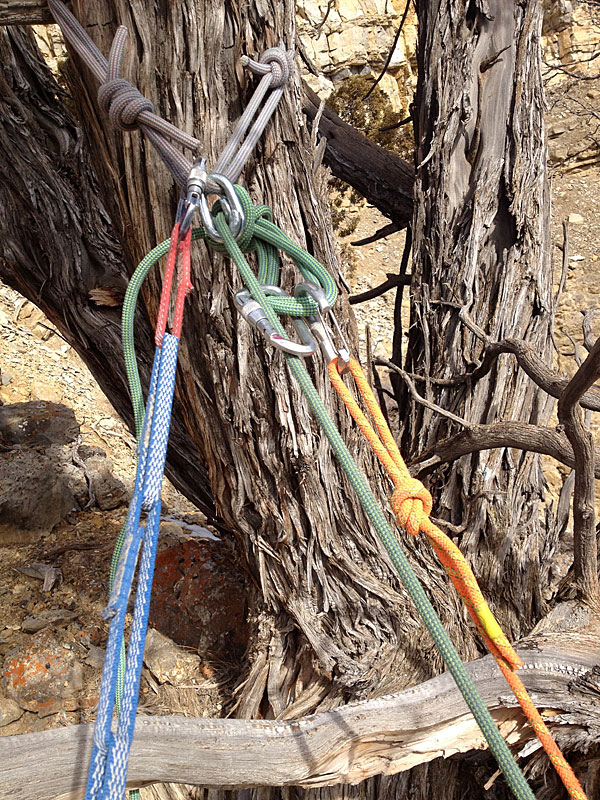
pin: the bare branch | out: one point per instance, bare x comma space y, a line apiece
539, 372
520, 435
391, 51
383, 362
584, 524
586, 326
392, 282
387, 230
565, 261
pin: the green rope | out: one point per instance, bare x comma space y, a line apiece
498, 746
262, 229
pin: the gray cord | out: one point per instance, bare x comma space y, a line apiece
128, 109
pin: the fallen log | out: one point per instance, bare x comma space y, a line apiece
344, 745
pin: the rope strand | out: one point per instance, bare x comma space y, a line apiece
412, 504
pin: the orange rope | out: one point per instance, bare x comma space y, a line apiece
412, 505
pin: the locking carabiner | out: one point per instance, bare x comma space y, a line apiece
319, 328
198, 185
254, 313
230, 204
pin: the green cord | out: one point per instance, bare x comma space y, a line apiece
263, 229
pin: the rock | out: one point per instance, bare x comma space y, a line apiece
45, 572
34, 496
108, 491
170, 529
9, 711
6, 378
56, 616
167, 662
95, 657
199, 598
556, 130
38, 424
575, 219
42, 676
51, 394
557, 154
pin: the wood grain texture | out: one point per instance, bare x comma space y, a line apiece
24, 12
482, 244
346, 745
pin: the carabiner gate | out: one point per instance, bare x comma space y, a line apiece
319, 328
230, 203
254, 313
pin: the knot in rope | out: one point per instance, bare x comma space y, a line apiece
246, 239
277, 59
411, 502
123, 103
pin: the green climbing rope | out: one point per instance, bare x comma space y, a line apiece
262, 236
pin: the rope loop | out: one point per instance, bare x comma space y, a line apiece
123, 103
411, 503
277, 59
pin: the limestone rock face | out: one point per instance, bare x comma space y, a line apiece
570, 35
354, 38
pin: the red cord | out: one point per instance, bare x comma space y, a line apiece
179, 255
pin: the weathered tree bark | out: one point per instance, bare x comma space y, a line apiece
331, 622
481, 239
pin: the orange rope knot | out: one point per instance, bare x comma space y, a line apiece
412, 504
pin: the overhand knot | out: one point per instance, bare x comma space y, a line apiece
123, 103
278, 59
411, 503
246, 239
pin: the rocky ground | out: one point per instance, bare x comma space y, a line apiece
54, 579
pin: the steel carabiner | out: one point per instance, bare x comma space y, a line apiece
254, 313
230, 203
319, 328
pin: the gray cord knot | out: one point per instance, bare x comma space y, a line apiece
277, 59
123, 103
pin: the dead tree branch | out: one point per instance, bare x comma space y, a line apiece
520, 435
381, 177
392, 282
383, 362
391, 51
584, 523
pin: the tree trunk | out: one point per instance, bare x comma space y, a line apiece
482, 248
330, 620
